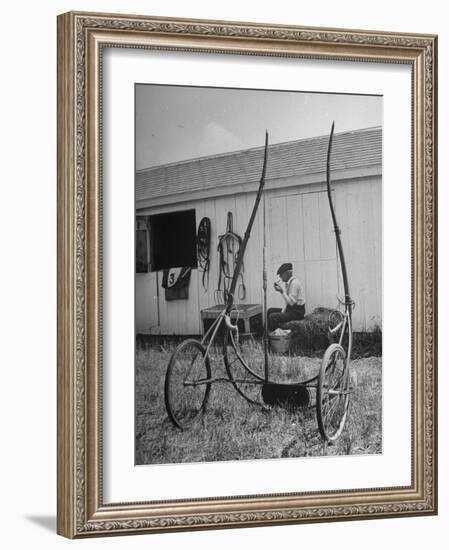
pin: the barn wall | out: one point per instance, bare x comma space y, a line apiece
299, 229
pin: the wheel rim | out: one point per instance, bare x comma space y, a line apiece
185, 397
333, 393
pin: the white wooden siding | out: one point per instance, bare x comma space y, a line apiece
299, 229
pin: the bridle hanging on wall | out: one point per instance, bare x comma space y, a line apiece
203, 250
228, 250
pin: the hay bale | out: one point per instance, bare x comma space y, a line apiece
311, 333
311, 336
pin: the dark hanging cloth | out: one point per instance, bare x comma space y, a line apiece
203, 250
176, 281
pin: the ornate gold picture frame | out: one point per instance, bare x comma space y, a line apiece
83, 510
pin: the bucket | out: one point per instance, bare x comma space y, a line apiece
279, 344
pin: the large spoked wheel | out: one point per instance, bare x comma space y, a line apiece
186, 392
245, 367
333, 393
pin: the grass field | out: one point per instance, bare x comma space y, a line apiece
233, 429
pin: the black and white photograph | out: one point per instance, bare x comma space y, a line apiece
258, 274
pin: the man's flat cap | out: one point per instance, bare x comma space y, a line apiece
284, 267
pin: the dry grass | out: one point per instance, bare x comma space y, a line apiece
233, 429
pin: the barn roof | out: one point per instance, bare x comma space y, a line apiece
358, 148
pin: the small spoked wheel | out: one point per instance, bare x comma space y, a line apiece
333, 393
186, 386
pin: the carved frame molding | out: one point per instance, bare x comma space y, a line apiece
81, 38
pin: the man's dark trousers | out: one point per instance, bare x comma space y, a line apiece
276, 317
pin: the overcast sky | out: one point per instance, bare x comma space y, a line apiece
175, 123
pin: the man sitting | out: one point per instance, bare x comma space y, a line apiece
293, 295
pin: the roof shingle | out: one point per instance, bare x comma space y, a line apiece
358, 148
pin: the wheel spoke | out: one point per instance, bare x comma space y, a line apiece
332, 394
183, 398
331, 409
